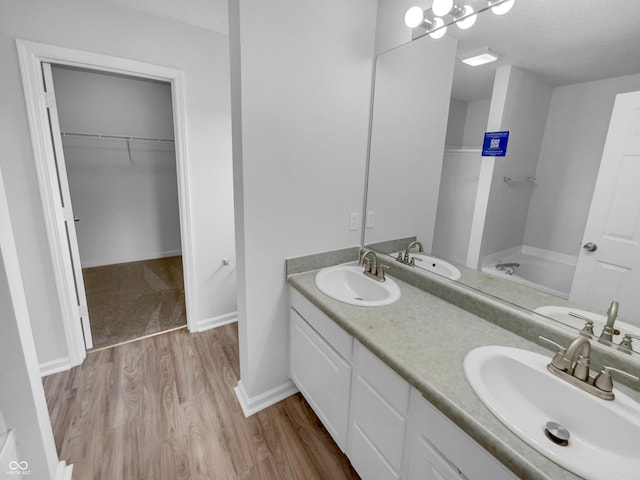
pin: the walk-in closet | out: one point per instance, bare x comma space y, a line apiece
119, 156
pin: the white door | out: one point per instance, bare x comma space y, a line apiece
609, 263
67, 228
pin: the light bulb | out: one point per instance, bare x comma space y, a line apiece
503, 7
438, 22
414, 17
441, 7
469, 21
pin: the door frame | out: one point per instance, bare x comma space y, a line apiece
30, 56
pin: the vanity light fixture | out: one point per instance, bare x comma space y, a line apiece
480, 56
415, 18
464, 17
501, 7
455, 11
442, 7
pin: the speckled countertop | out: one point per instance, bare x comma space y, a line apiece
425, 339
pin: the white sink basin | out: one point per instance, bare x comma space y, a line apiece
348, 284
516, 386
436, 265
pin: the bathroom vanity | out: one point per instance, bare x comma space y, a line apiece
388, 382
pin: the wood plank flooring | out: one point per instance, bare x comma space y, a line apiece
163, 408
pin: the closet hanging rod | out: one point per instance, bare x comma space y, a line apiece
116, 137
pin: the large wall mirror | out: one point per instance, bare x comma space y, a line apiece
558, 90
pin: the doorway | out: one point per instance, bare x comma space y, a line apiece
59, 218
118, 148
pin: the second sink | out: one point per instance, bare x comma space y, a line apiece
516, 386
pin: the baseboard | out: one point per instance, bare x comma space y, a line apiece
218, 321
260, 402
64, 471
140, 258
55, 366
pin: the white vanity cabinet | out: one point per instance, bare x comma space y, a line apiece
379, 407
436, 448
321, 365
385, 426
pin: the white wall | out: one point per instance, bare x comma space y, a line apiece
299, 158
390, 28
112, 30
570, 156
456, 201
410, 113
475, 123
456, 123
23, 407
519, 104
127, 205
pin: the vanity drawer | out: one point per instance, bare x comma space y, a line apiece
333, 334
379, 403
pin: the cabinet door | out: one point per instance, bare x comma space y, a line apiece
436, 448
322, 376
379, 403
426, 463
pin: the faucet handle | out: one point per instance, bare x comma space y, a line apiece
603, 379
380, 272
559, 360
626, 341
560, 347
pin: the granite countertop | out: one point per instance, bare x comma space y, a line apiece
425, 339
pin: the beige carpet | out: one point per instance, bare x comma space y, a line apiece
130, 300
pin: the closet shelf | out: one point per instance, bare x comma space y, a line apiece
117, 137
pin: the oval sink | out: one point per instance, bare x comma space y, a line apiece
516, 386
436, 265
348, 284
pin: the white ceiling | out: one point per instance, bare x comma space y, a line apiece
209, 14
561, 41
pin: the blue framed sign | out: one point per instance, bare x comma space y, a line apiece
495, 144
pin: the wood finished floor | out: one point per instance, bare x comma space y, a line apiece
163, 408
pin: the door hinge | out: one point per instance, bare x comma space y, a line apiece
50, 99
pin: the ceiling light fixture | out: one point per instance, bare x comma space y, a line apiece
480, 56
455, 11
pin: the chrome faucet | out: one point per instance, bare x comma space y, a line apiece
608, 331
407, 259
507, 267
371, 267
572, 364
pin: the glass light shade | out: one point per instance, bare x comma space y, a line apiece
438, 22
469, 21
414, 17
503, 7
441, 7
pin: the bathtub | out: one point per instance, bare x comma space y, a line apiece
546, 271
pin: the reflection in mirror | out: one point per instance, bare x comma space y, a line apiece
568, 178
